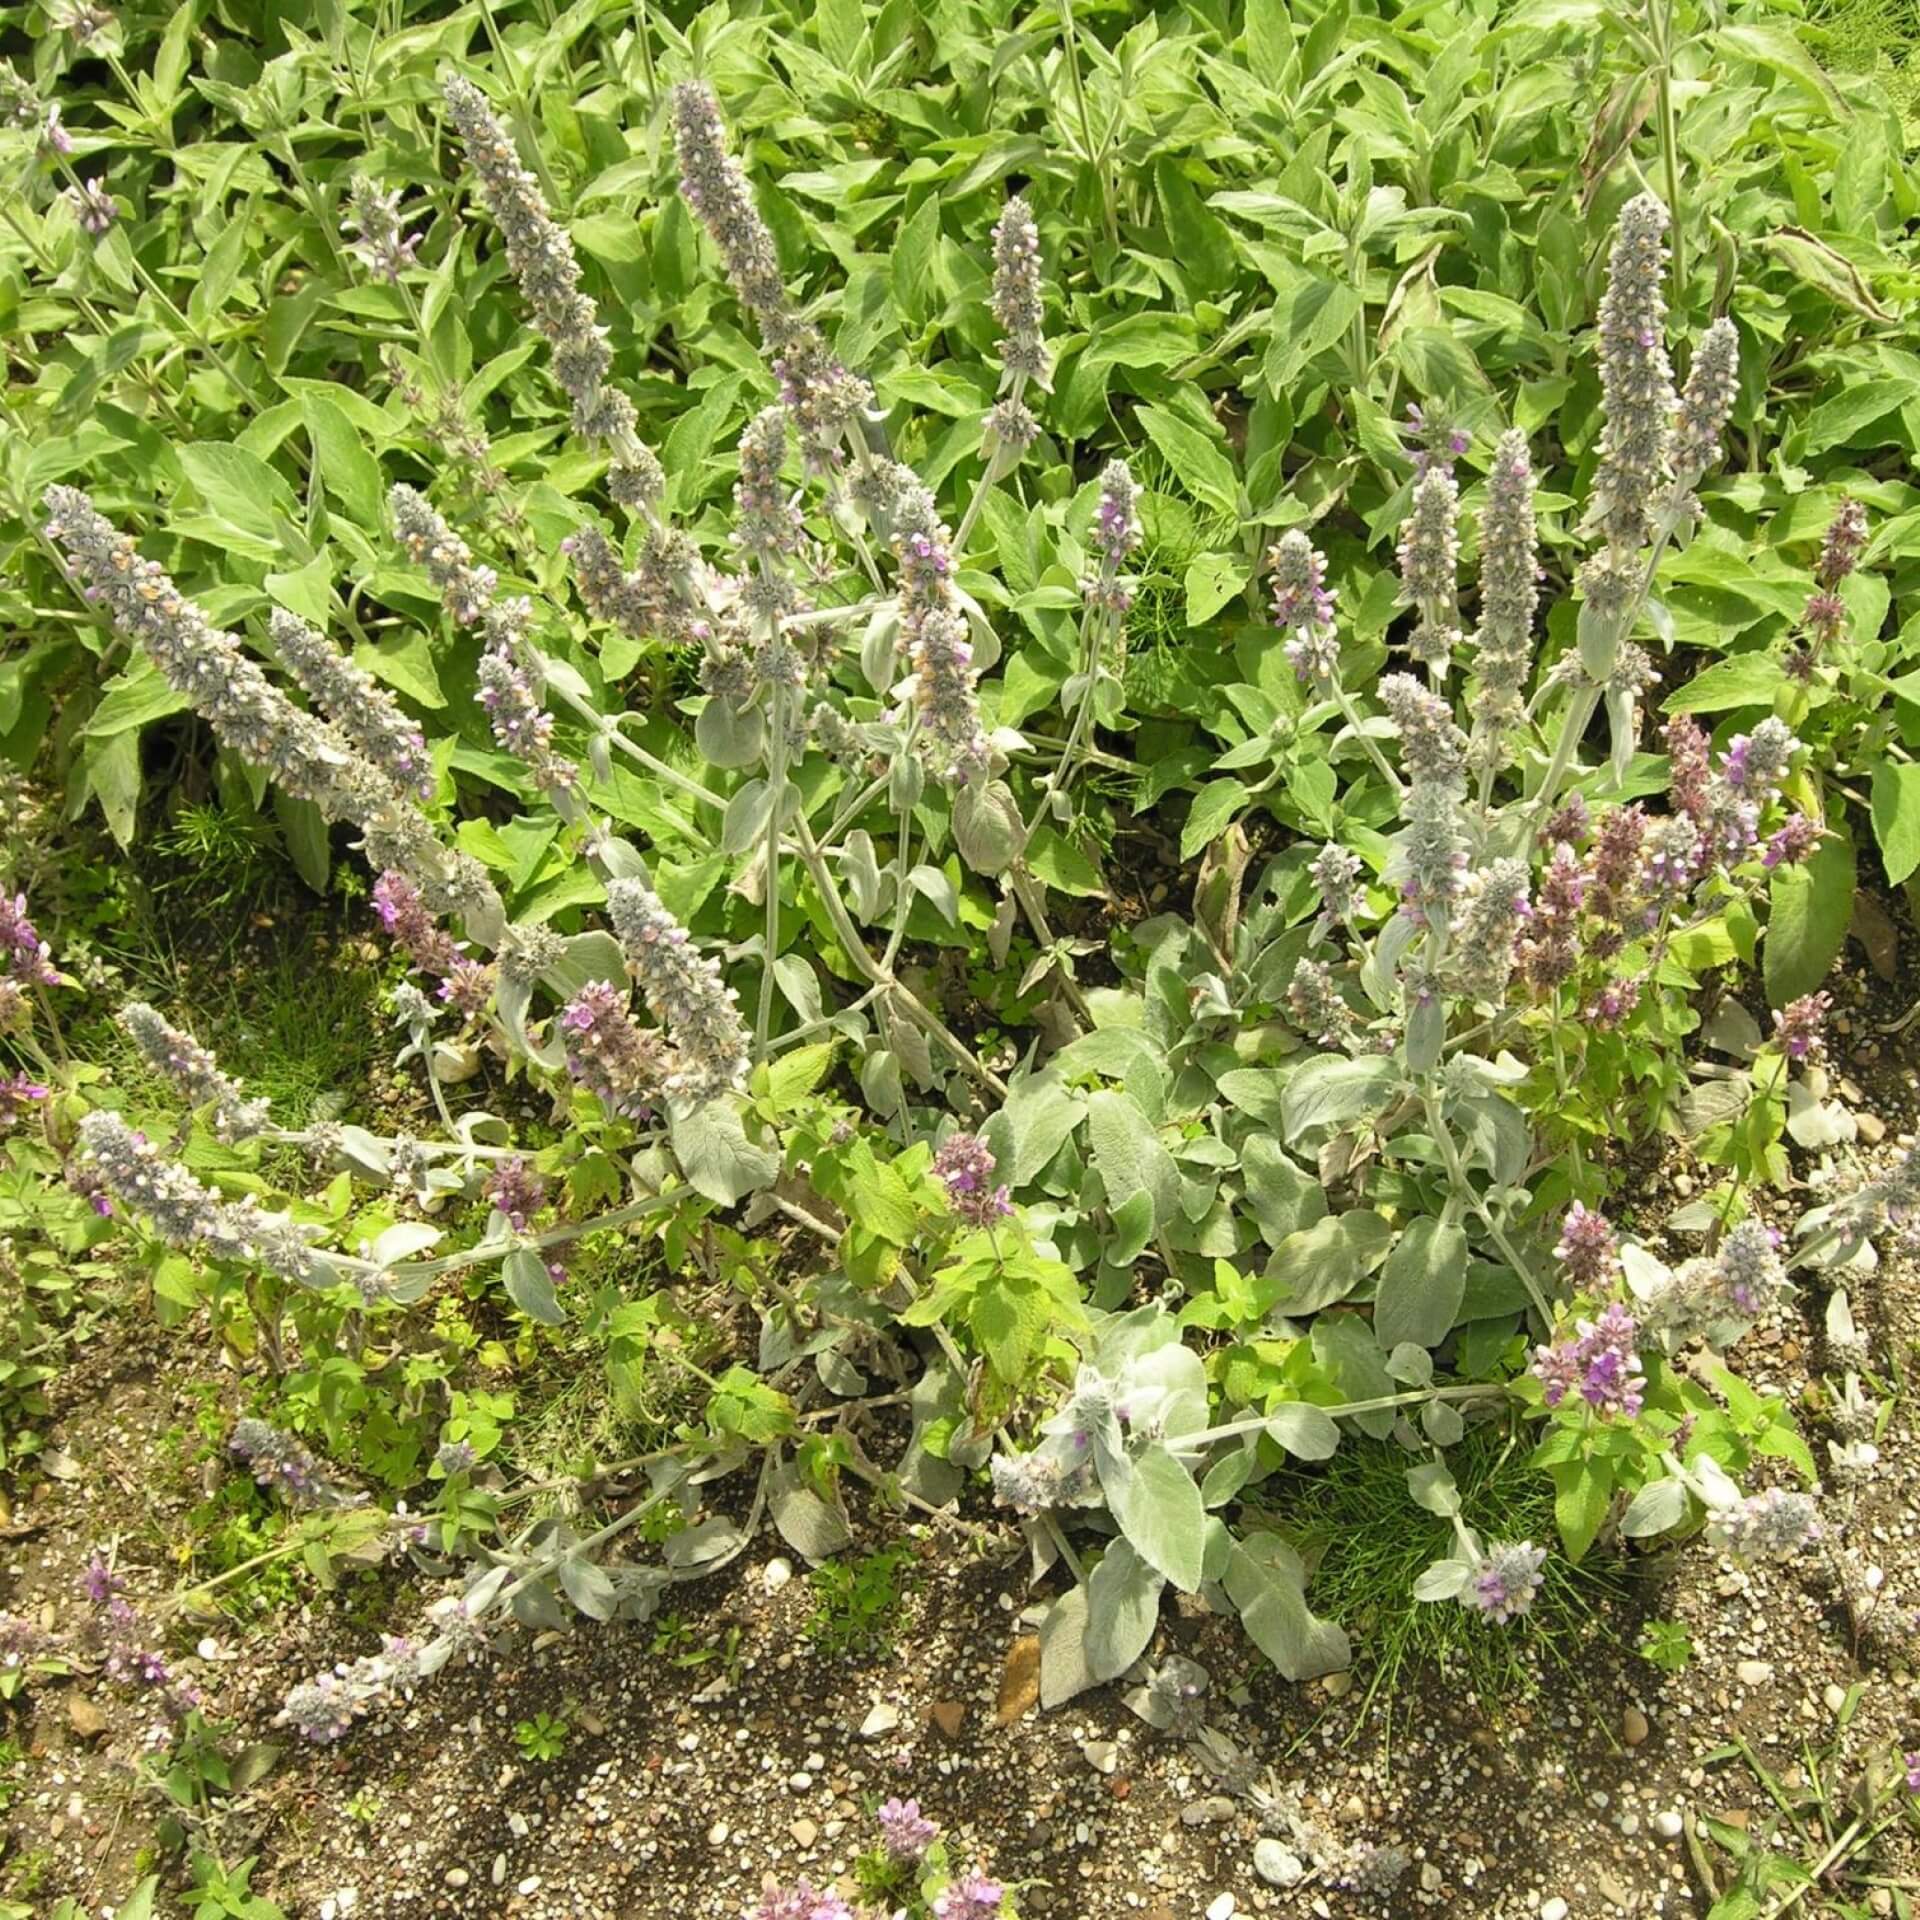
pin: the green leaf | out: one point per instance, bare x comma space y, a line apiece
530, 1287
1212, 580
1850, 412
1213, 807
1896, 818
404, 660
877, 1197
1063, 866
1781, 52
1422, 1285
793, 1076
1129, 1154
238, 487
1329, 1091
914, 251
350, 473
1812, 907
304, 829
1200, 465
1583, 1490
1009, 1317
306, 591
1159, 1509
1327, 1261
132, 699
1745, 680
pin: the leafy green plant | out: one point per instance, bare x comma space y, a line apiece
856, 1601
542, 1738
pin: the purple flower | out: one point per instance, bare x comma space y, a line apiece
1791, 842
99, 1582
608, 1053
802, 1901
965, 1163
17, 1093
974, 1898
1303, 607
1601, 1364
1506, 1580
1799, 1026
24, 956
517, 1190
1588, 1248
1912, 1762
905, 1831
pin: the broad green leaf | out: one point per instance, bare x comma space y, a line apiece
1198, 463
132, 699
530, 1287
1745, 680
1213, 807
238, 487
1332, 1091
1327, 1261
1130, 1156
1811, 907
351, 474
1266, 1582
1123, 1609
1212, 580
716, 1155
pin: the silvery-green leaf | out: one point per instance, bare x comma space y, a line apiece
879, 656
1166, 1389
1128, 1152
860, 869
718, 1158
1229, 1473
538, 1606
530, 1287
1444, 1580
511, 1001
1033, 1124
1305, 1431
1646, 1274
590, 956
1330, 1091
1730, 1028
402, 1241
1132, 1229
1814, 1124
1659, 1507
1412, 1366
1421, 1285
1841, 1330
700, 1546
1265, 1581
1426, 1034
588, 1587
365, 1153
1282, 1197
986, 826
1712, 1103
1327, 1261
799, 985
811, 1527
1064, 1671
730, 736
745, 823
880, 1083
1123, 1608
1441, 1423
1160, 1512
1432, 1487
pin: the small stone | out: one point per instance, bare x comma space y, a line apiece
1633, 1727
1753, 1673
800, 1782
804, 1832
776, 1574
531, 1884
1337, 1685
457, 1877
718, 1834
1668, 1824
591, 1722
1431, 1878
1203, 1813
1871, 1128
1277, 1865
1221, 1907
84, 1717
1835, 1696
499, 1874
1103, 1756
1554, 1909
883, 1719
949, 1716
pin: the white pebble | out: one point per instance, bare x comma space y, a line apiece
776, 1575
1554, 1909
1276, 1865
1668, 1824
1222, 1908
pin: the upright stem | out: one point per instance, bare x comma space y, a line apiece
1669, 127
1095, 159
777, 793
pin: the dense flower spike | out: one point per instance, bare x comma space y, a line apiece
1430, 569
824, 398
356, 703
1636, 378
905, 1831
1430, 862
1314, 1004
325, 1707
802, 1901
194, 1070
1506, 1580
542, 260
1335, 874
1756, 763
516, 1189
1774, 1525
1800, 1026
1303, 608
1509, 599
373, 217
186, 1214
1705, 404
662, 598
685, 992
608, 1053
1752, 1273
1587, 1249
965, 1165
1491, 914
1016, 293
1600, 1365
972, 1897
1116, 536
768, 528
1432, 747
281, 1464
25, 959
937, 642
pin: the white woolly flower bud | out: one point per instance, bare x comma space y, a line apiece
181, 1059
684, 991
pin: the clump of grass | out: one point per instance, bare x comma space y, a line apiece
1355, 1517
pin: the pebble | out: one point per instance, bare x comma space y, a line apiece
499, 1874
1835, 1696
1431, 1878
804, 1832
457, 1877
718, 1834
1554, 1909
1277, 1865
1633, 1726
883, 1719
1222, 1908
1753, 1673
531, 1884
776, 1575
1668, 1824
1871, 1127
1103, 1756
